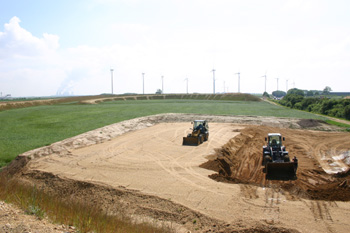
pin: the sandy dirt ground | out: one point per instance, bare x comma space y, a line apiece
141, 166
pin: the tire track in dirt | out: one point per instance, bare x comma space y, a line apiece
183, 168
272, 202
321, 213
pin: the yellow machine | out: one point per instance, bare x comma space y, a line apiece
200, 133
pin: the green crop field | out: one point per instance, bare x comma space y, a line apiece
23, 129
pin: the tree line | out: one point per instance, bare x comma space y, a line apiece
316, 102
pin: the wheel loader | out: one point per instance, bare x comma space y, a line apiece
200, 133
276, 159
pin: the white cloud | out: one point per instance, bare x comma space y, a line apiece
28, 64
18, 42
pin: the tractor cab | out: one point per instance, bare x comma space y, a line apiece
274, 140
201, 125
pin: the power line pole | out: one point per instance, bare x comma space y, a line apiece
143, 83
213, 81
239, 80
112, 80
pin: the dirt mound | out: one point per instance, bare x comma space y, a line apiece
308, 123
320, 154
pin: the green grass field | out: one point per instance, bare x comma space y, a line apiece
24, 129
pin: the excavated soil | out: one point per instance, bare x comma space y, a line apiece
140, 168
239, 161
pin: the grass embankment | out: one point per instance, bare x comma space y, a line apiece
84, 216
339, 124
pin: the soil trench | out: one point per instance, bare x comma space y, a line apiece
240, 161
142, 166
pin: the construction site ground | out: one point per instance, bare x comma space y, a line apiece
140, 168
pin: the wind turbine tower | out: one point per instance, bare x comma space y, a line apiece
265, 81
277, 83
162, 85
186, 79
143, 83
213, 81
286, 85
239, 82
112, 80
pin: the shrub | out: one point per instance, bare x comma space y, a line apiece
347, 112
278, 94
296, 92
298, 106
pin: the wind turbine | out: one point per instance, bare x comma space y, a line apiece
265, 80
213, 80
286, 85
239, 80
162, 84
186, 79
143, 83
112, 80
277, 83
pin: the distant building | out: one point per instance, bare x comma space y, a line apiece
8, 96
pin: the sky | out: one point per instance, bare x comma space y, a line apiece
65, 47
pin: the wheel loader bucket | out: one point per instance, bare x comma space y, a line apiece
193, 141
281, 170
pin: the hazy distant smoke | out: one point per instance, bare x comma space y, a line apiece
73, 78
66, 88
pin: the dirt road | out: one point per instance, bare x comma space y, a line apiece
150, 173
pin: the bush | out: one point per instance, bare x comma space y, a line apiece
336, 112
347, 112
296, 92
327, 105
307, 102
298, 106
293, 99
333, 107
278, 94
